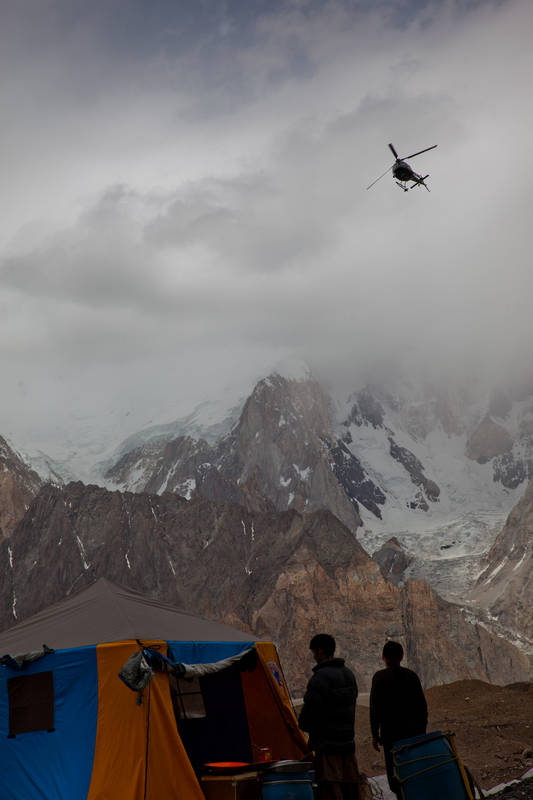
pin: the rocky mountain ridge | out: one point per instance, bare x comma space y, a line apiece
413, 464
505, 587
438, 471
18, 486
413, 476
394, 458
277, 574
283, 448
501, 596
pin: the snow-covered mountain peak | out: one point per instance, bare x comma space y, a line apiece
210, 421
411, 455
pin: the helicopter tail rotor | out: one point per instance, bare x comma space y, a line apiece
421, 182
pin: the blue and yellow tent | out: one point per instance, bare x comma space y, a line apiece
70, 729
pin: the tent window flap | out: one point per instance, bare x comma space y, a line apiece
31, 703
187, 698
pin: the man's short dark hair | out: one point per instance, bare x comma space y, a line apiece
393, 651
324, 642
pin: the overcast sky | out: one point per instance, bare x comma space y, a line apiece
183, 195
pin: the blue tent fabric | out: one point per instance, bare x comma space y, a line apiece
205, 652
53, 766
59, 764
39, 765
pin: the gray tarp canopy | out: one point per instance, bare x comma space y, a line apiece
106, 612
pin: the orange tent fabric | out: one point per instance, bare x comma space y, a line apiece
271, 724
138, 752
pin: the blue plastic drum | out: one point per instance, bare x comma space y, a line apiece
288, 780
427, 766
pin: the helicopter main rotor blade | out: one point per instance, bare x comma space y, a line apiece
433, 146
394, 153
380, 177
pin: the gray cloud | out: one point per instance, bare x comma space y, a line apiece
192, 207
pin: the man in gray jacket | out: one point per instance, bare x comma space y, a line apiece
328, 716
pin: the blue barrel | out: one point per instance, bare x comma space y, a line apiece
288, 780
428, 766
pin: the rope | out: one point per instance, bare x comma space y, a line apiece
427, 769
147, 741
425, 758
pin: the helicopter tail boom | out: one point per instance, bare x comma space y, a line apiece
420, 181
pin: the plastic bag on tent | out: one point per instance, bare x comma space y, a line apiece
136, 674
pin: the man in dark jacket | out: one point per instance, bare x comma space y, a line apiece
398, 707
328, 716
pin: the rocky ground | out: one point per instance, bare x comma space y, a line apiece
493, 727
517, 791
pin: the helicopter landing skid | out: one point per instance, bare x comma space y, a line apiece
402, 186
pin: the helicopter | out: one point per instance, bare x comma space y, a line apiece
403, 172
